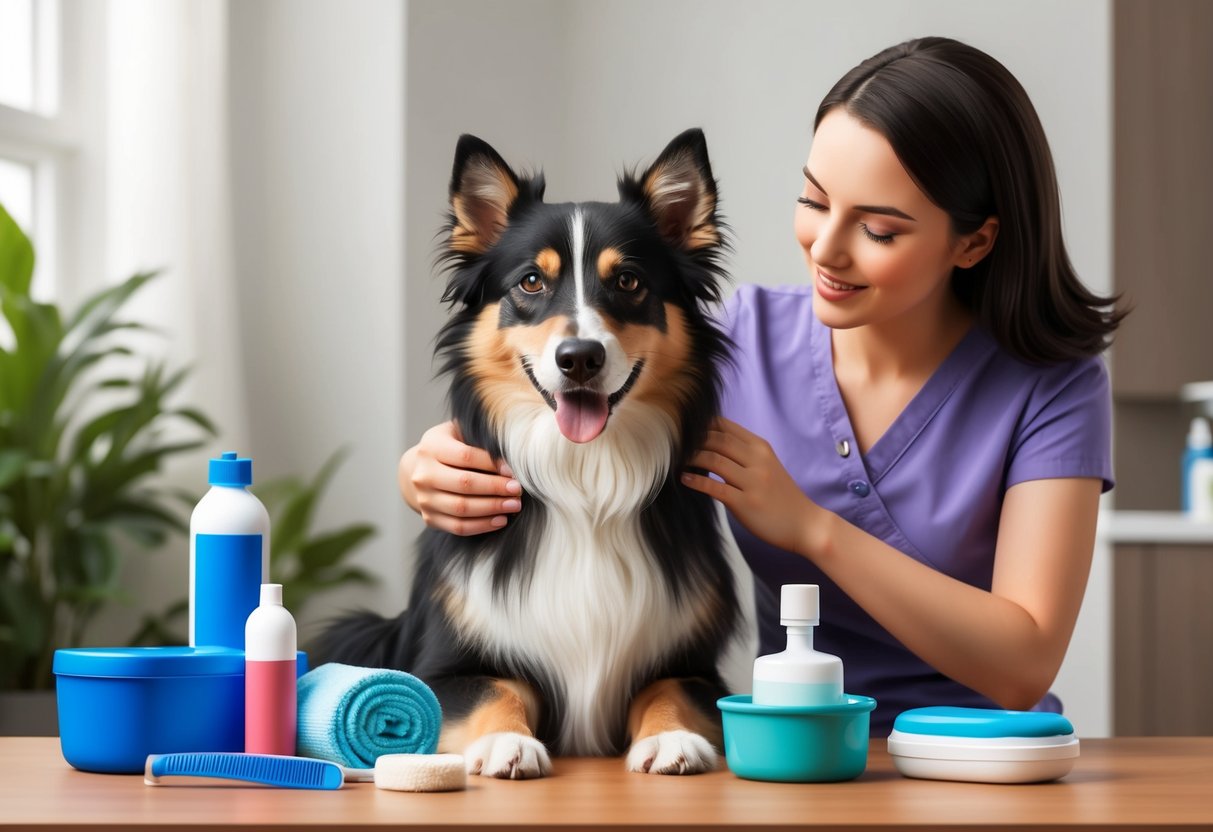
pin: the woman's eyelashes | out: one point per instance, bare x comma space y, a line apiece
813, 205
883, 239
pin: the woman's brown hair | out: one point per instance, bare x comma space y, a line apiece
966, 132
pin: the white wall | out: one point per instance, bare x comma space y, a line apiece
585, 88
317, 129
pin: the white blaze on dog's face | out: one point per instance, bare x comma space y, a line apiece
581, 306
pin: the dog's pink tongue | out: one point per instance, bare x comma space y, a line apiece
581, 416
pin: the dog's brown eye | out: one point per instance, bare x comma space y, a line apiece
531, 284
627, 282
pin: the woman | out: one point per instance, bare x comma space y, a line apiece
924, 430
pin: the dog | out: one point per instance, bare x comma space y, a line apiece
581, 350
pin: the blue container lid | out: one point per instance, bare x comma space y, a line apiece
941, 721
148, 661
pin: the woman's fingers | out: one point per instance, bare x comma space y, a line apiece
463, 526
728, 469
715, 489
443, 443
462, 506
467, 483
459, 488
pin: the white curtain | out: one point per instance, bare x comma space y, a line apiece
163, 169
168, 201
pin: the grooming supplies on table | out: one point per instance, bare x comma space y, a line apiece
799, 726
985, 746
353, 715
269, 676
796, 743
285, 772
229, 554
799, 675
117, 705
421, 772
393, 772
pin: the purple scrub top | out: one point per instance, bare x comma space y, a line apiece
932, 486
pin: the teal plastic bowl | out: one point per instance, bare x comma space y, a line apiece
796, 744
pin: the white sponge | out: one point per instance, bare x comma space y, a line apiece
420, 772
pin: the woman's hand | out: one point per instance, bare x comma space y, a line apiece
455, 487
757, 489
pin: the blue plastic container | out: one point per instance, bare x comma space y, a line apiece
983, 745
796, 743
119, 704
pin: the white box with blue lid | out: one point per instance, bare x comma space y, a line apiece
985, 746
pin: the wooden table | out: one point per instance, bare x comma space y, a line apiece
1122, 784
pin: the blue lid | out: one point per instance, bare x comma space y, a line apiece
230, 470
943, 721
149, 661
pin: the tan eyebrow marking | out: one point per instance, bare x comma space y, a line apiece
609, 259
548, 262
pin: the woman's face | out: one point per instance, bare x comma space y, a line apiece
879, 251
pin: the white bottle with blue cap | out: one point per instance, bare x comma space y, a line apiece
229, 554
799, 675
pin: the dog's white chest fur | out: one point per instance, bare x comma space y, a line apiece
594, 612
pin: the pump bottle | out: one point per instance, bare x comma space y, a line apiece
1197, 475
269, 676
229, 554
799, 675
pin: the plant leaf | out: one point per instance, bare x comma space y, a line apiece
16, 255
298, 511
12, 463
326, 550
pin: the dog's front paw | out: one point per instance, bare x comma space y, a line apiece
508, 756
672, 752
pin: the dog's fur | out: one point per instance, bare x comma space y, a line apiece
580, 352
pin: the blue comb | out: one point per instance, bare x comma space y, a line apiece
267, 769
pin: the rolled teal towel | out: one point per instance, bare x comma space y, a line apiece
352, 715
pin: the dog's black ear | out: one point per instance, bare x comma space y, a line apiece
680, 193
483, 190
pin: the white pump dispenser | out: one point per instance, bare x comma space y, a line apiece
799, 675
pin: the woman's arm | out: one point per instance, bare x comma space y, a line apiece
1007, 644
456, 487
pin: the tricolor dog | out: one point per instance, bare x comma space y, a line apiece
581, 351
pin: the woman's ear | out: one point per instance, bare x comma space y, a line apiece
972, 248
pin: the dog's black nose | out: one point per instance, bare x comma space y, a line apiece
580, 359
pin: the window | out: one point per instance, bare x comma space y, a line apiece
35, 134
17, 191
17, 53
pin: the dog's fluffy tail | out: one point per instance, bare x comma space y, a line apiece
363, 639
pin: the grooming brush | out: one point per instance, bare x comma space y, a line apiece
267, 769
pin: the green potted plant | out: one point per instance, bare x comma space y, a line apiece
81, 438
80, 442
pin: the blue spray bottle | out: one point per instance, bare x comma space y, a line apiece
1198, 449
229, 555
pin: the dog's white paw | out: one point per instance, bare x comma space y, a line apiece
507, 756
672, 752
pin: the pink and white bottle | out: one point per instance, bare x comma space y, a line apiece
269, 676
